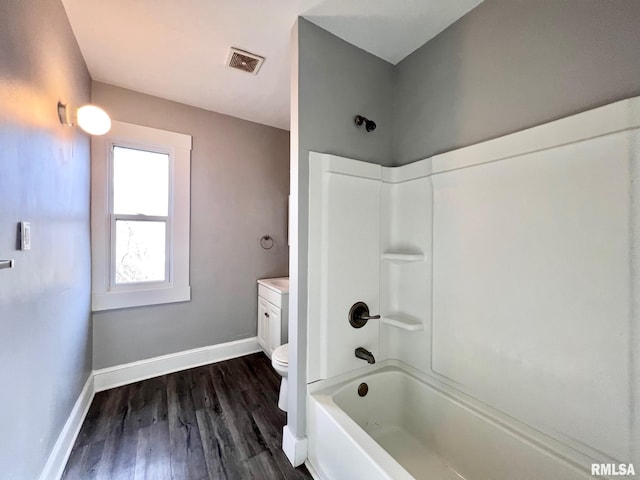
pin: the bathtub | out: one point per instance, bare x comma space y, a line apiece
413, 426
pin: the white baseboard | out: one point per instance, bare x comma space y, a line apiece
119, 375
294, 448
312, 471
62, 449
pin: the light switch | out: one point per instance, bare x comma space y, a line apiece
25, 236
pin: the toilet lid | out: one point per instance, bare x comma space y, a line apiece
281, 354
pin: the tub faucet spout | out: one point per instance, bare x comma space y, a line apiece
365, 355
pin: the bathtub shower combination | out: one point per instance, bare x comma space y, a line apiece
506, 279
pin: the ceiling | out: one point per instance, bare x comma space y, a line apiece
177, 49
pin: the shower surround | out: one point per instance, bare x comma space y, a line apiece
506, 276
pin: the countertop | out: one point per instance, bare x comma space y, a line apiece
279, 285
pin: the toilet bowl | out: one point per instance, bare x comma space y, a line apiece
280, 363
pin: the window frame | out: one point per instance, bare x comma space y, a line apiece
106, 294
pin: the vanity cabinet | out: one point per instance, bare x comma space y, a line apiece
273, 309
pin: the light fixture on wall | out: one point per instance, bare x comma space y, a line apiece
91, 119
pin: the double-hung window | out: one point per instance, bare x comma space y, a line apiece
140, 217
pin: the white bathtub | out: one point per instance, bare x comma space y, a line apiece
410, 425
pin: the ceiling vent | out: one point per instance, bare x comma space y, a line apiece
245, 61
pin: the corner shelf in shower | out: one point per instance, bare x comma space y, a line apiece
403, 257
403, 322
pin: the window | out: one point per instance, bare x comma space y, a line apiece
140, 217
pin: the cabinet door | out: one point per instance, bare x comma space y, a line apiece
263, 328
273, 332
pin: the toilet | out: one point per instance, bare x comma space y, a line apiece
280, 363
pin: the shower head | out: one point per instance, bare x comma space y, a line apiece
369, 125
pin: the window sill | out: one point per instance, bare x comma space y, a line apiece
139, 298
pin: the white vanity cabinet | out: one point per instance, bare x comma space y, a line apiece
273, 313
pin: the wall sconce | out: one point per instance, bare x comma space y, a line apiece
91, 119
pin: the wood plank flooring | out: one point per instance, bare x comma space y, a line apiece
219, 421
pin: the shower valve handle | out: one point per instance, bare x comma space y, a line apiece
359, 315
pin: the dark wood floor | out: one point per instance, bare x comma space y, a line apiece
219, 421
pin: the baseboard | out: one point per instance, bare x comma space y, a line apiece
294, 448
119, 375
312, 471
62, 449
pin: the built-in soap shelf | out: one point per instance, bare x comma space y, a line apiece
403, 257
405, 322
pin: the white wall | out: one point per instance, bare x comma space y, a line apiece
405, 286
531, 288
344, 252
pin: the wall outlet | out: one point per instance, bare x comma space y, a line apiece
25, 236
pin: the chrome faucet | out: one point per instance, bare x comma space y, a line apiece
365, 355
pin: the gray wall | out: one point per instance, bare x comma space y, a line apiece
239, 191
45, 337
335, 82
513, 64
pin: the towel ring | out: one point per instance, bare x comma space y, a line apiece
267, 242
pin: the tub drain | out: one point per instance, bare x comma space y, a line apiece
363, 389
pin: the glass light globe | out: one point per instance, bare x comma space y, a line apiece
93, 120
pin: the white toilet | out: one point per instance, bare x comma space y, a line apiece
280, 363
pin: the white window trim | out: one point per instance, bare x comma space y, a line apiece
106, 296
